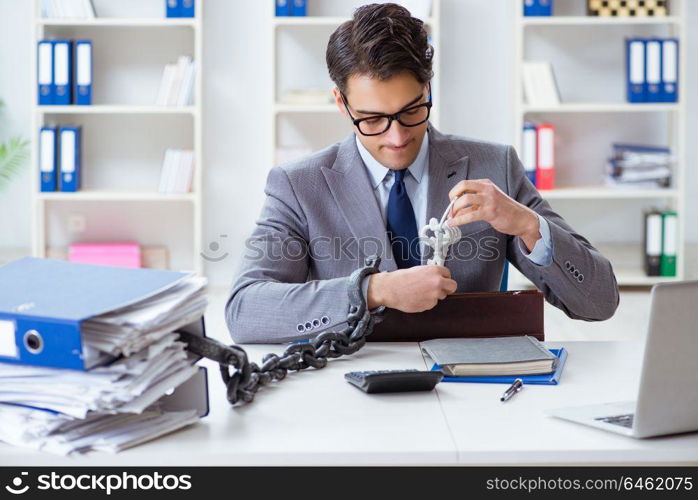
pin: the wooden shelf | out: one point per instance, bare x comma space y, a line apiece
118, 109
115, 195
122, 22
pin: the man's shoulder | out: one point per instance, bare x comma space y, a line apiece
310, 165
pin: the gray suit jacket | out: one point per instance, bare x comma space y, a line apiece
321, 219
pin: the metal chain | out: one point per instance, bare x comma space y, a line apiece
247, 377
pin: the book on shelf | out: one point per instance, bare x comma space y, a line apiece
64, 72
177, 83
660, 242
68, 9
177, 170
652, 69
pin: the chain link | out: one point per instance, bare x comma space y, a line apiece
246, 378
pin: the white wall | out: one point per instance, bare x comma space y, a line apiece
475, 82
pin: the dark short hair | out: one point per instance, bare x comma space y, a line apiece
380, 41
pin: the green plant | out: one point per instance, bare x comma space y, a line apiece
13, 156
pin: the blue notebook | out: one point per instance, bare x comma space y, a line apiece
543, 379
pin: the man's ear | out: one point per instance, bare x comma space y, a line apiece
338, 101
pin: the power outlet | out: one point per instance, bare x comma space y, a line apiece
77, 223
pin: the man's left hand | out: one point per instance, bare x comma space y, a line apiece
481, 199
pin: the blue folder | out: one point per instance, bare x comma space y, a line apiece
51, 298
543, 379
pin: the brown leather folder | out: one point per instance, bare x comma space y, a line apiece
467, 315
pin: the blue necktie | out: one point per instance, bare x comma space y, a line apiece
402, 226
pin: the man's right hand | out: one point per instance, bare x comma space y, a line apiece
415, 289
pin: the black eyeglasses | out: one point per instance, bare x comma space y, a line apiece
379, 124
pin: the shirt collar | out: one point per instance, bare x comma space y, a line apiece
378, 172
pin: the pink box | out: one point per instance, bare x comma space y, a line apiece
125, 254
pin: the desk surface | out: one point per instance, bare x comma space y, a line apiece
316, 418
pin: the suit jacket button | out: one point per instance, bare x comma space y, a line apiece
567, 264
576, 273
316, 323
325, 320
300, 328
580, 278
308, 325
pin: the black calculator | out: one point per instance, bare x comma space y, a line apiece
394, 380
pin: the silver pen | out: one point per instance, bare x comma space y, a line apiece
513, 389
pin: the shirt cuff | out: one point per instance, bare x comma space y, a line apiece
542, 253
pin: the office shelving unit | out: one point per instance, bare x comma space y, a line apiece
626, 257
124, 209
322, 124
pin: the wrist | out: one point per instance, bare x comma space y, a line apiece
531, 233
377, 289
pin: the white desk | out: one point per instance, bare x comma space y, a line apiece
316, 418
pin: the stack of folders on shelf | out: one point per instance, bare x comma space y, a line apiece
627, 8
286, 8
68, 9
177, 169
64, 72
638, 166
90, 358
538, 154
180, 8
539, 84
652, 69
177, 83
661, 237
538, 8
60, 158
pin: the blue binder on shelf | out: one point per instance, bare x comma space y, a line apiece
538, 8
187, 8
62, 71
48, 166
669, 91
283, 8
172, 8
299, 8
635, 69
543, 379
44, 72
653, 71
69, 140
44, 301
83, 72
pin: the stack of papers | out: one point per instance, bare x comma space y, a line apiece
134, 360
177, 169
177, 83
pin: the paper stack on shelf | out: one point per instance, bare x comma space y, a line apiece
177, 83
540, 86
134, 362
67, 9
637, 166
177, 169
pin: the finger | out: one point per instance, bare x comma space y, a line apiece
473, 186
466, 200
443, 271
450, 286
465, 216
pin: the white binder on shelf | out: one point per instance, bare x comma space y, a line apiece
44, 71
670, 70
47, 159
83, 72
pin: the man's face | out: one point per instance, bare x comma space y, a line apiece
398, 147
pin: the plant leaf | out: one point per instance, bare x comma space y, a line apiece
13, 156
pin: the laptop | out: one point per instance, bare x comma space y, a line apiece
668, 398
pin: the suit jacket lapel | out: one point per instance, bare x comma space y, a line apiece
446, 168
352, 190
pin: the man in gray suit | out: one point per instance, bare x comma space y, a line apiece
369, 193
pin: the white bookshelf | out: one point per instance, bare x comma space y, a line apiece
139, 211
574, 199
318, 125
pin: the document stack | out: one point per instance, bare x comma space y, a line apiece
68, 9
177, 169
177, 83
643, 167
90, 358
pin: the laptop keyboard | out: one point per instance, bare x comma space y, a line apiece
622, 420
